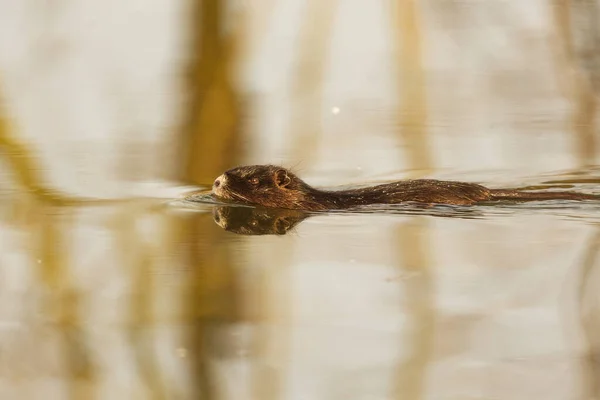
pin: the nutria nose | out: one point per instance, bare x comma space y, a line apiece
219, 182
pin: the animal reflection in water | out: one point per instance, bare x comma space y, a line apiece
257, 221
272, 221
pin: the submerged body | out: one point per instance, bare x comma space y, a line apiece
276, 187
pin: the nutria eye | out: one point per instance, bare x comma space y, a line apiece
254, 181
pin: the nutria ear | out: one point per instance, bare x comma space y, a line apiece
282, 178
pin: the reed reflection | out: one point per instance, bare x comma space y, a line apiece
590, 317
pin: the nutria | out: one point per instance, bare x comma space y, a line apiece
276, 187
257, 221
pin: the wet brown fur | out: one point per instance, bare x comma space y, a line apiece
276, 187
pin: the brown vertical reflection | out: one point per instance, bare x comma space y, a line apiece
213, 121
63, 301
412, 237
274, 308
419, 309
579, 60
307, 81
212, 297
141, 319
213, 145
412, 114
20, 159
589, 314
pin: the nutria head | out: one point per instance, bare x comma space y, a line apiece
264, 185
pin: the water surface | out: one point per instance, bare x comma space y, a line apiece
155, 299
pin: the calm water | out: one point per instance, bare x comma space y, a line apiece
156, 298
167, 299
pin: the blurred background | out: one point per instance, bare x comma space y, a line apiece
110, 288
